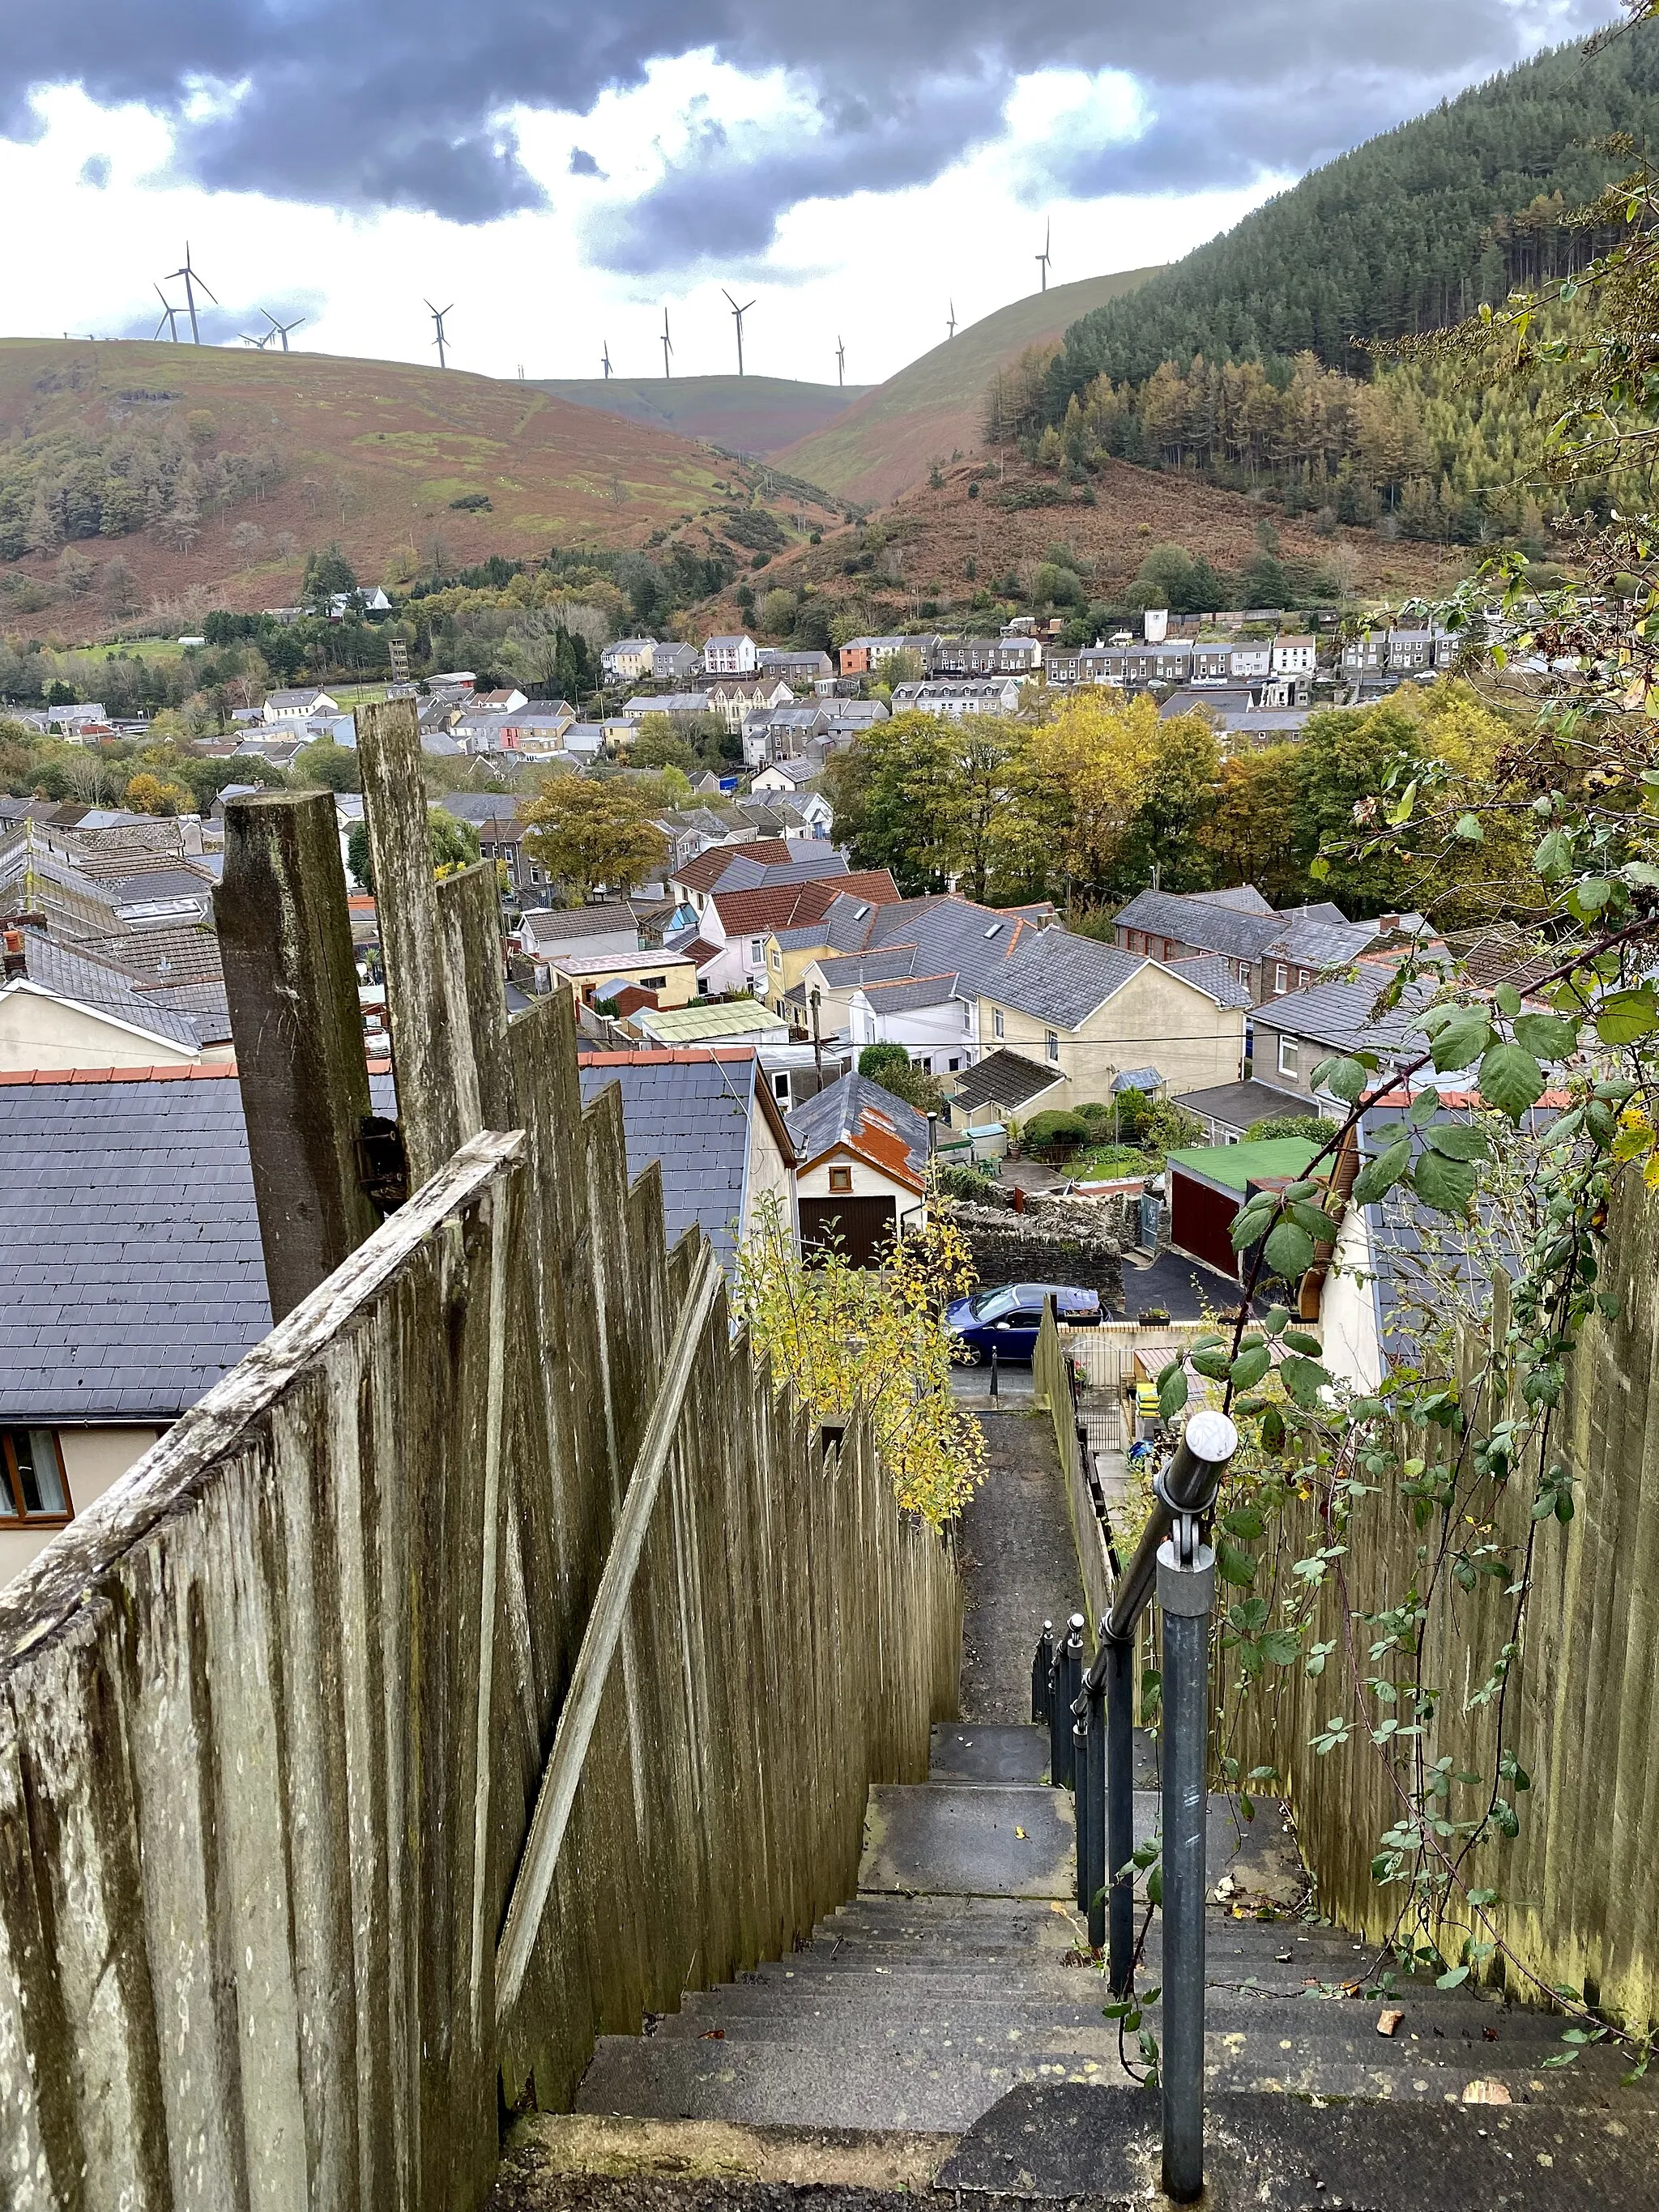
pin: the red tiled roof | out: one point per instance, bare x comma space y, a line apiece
700, 952
204, 1072
788, 906
706, 871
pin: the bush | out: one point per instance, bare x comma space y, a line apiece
1290, 1125
972, 1185
1057, 1131
876, 1059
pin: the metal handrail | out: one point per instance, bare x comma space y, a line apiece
1187, 1487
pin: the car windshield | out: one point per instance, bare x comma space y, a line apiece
990, 1305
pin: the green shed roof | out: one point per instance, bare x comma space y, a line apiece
1234, 1166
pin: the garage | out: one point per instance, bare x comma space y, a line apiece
1209, 1183
860, 1229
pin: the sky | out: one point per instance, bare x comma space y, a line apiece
564, 171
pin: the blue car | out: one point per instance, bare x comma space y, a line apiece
1006, 1320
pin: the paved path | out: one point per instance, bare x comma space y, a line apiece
1019, 1564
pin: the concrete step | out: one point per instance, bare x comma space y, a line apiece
966, 1752
868, 2084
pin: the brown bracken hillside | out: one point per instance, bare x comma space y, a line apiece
284, 453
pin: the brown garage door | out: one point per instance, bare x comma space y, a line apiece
1200, 1220
860, 1229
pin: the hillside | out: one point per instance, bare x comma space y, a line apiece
935, 407
209, 473
946, 557
744, 414
1409, 231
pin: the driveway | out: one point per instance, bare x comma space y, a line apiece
1186, 1289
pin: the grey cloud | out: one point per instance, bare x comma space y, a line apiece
582, 163
403, 103
94, 171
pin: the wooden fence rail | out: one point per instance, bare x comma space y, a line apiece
275, 1716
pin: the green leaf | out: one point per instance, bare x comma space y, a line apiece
1248, 1521
1446, 1185
1281, 1646
1624, 1016
1214, 1363
1510, 1080
1297, 1339
1172, 1393
1422, 1109
1453, 1979
1455, 1141
1249, 1367
1460, 1042
1553, 857
1289, 1251
1273, 1429
1507, 1000
1345, 1078
1547, 1034
1380, 1176
1233, 1566
1251, 1221
1467, 827
1303, 1379
1155, 1886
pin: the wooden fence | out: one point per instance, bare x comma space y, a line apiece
1581, 1710
492, 1656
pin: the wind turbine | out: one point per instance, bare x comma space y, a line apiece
604, 358
437, 315
281, 330
1043, 257
667, 344
951, 326
169, 316
192, 280
739, 313
841, 361
258, 344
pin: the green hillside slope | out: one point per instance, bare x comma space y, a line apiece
1406, 233
744, 414
931, 409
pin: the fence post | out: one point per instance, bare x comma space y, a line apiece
291, 985
1186, 1597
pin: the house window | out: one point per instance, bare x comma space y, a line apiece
968, 1017
777, 958
841, 1180
1051, 1040
998, 1027
756, 953
1287, 1056
781, 1085
1281, 976
653, 983
31, 1484
955, 1063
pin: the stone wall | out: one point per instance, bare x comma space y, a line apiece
1054, 1241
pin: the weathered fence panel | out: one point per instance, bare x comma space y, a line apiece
1580, 1904
275, 1715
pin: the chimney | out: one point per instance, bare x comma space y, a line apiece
16, 959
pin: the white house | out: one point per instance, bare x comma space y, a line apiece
970, 695
366, 599
1250, 657
299, 706
629, 659
1294, 656
860, 1169
730, 656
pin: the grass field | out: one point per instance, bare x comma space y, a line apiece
886, 441
744, 414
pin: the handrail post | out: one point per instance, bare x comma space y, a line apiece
1118, 1906
1043, 1666
1068, 1681
1185, 1598
1089, 1799
1082, 1756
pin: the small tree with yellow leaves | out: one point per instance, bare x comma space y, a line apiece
842, 1336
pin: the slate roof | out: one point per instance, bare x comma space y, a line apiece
1213, 975
1059, 978
1411, 1247
1339, 1015
905, 997
104, 990
807, 860
940, 935
702, 873
1239, 925
546, 925
861, 1115
1003, 1078
691, 1112
130, 1270
1237, 1105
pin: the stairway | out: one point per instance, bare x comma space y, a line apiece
955, 1976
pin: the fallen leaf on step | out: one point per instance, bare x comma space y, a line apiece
1387, 2022
1020, 1833
1486, 2092
714, 2035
